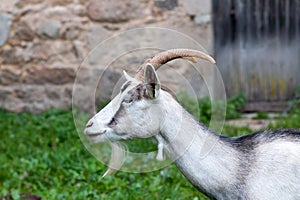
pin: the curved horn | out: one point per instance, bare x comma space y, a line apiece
166, 56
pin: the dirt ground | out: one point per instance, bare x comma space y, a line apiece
253, 124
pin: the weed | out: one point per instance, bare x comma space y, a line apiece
261, 115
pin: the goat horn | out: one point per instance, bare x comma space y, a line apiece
116, 160
166, 56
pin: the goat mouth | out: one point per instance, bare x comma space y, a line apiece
94, 134
95, 137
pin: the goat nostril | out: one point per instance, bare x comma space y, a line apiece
89, 124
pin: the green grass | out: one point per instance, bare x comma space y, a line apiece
201, 109
43, 155
261, 115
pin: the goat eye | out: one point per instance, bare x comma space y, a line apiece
129, 100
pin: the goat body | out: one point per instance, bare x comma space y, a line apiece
264, 165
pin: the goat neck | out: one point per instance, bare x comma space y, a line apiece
186, 143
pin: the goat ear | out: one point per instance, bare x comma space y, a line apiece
128, 78
151, 81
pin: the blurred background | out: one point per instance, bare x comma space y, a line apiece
256, 44
42, 43
257, 47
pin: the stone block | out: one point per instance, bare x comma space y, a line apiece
61, 2
10, 57
44, 75
97, 34
37, 51
71, 32
23, 32
24, 3
59, 13
5, 24
202, 19
30, 94
9, 74
196, 7
34, 98
166, 4
106, 85
9, 6
60, 52
79, 10
4, 93
48, 29
93, 86
114, 11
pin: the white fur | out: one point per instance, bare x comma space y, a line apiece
276, 173
273, 172
184, 144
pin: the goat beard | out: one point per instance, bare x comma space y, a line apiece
118, 153
117, 158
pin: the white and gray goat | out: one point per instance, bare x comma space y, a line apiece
263, 165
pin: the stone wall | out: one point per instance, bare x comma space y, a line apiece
43, 42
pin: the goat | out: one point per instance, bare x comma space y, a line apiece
263, 165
